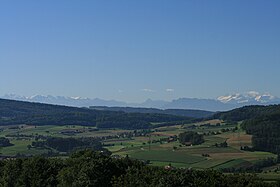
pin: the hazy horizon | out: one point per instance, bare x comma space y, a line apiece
134, 50
248, 94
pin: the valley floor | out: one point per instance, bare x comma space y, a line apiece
156, 147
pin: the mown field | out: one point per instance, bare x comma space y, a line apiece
172, 153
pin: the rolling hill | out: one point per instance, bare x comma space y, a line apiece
177, 112
263, 122
19, 112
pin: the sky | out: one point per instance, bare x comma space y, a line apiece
132, 50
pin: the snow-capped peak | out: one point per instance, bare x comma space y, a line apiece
229, 98
252, 94
75, 98
251, 97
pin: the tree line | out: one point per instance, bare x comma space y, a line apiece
19, 112
88, 168
69, 144
191, 137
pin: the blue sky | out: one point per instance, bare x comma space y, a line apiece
134, 50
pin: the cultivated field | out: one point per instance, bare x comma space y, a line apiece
155, 147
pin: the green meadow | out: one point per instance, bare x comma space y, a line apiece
149, 148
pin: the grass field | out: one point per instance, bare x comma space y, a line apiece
21, 143
233, 164
170, 156
237, 139
174, 164
270, 177
163, 154
159, 153
20, 146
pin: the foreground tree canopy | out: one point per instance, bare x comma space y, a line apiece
87, 168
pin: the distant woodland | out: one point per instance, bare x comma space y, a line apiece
18, 112
177, 112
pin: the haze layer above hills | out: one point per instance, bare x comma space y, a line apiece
222, 103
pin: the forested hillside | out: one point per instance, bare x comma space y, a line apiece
18, 112
265, 131
177, 112
248, 112
263, 122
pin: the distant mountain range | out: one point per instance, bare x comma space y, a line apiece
222, 103
251, 98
